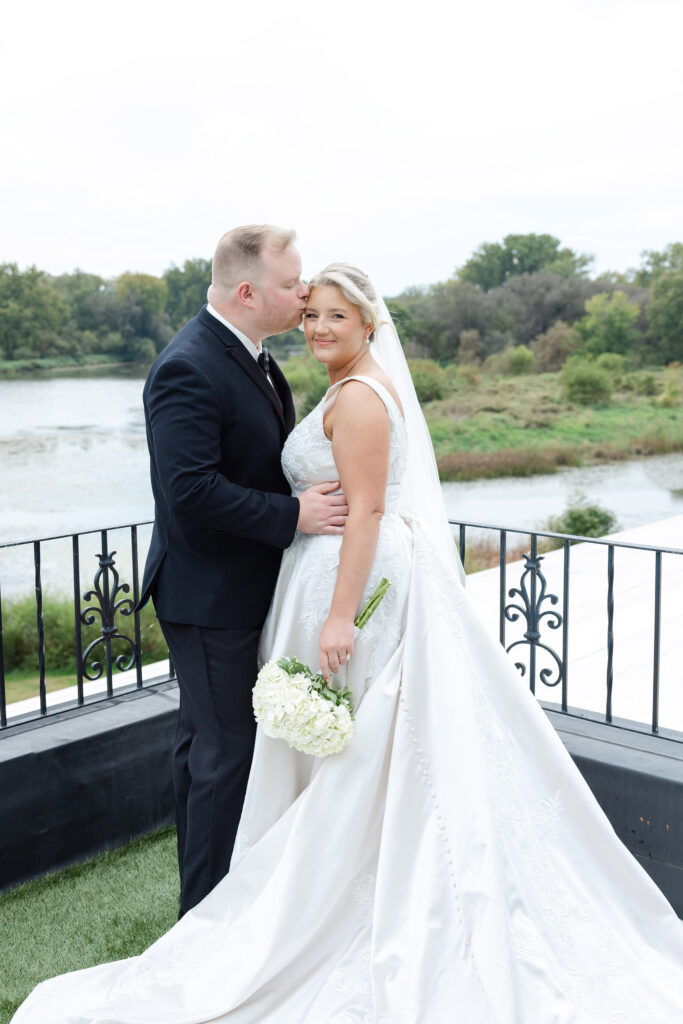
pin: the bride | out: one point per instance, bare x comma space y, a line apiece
450, 865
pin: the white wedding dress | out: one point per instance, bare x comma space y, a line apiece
449, 867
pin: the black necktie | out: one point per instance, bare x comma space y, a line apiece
264, 363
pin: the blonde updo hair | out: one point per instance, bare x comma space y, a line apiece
356, 288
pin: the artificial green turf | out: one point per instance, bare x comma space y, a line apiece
108, 908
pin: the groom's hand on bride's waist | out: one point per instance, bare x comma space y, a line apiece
321, 511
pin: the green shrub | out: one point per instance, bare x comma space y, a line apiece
471, 349
20, 635
467, 376
612, 364
305, 374
429, 379
584, 383
312, 396
583, 519
554, 346
644, 383
671, 394
308, 380
518, 360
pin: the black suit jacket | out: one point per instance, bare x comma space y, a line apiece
223, 508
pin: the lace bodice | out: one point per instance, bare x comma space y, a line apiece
307, 455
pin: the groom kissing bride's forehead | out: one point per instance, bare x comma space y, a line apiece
256, 275
218, 412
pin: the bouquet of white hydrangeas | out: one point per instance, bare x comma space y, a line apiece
292, 703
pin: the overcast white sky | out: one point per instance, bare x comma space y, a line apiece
397, 135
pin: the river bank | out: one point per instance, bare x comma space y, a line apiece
523, 426
63, 365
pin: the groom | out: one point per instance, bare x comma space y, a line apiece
218, 413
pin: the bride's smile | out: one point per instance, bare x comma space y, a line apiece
335, 331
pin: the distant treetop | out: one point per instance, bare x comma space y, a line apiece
493, 263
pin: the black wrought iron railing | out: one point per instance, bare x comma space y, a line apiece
108, 641
545, 617
105, 639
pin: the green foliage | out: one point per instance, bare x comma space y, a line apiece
304, 373
403, 318
308, 380
665, 312
187, 287
20, 642
141, 301
509, 293
584, 519
610, 324
612, 364
584, 383
657, 263
149, 291
467, 376
79, 315
518, 360
671, 395
642, 383
471, 348
429, 379
288, 344
32, 314
552, 348
494, 262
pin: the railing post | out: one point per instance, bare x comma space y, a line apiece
532, 634
136, 598
502, 586
78, 636
565, 627
657, 636
41, 627
610, 631
3, 695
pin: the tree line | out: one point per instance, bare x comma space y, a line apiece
526, 298
526, 301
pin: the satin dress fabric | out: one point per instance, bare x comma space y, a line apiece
450, 866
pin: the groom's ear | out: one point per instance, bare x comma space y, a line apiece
245, 293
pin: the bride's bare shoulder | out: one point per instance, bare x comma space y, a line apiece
376, 373
359, 393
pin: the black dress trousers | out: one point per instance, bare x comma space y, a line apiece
216, 670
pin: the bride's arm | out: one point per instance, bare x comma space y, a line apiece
360, 444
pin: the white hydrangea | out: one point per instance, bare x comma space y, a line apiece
287, 708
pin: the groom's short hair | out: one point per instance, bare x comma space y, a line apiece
238, 253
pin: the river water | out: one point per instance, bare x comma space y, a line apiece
73, 457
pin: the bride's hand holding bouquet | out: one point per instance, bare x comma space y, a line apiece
305, 710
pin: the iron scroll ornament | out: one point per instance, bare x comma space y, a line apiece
107, 607
530, 610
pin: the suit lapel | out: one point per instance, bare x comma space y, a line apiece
236, 349
249, 364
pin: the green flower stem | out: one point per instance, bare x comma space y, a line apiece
372, 604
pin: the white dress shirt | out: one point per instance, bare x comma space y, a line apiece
255, 350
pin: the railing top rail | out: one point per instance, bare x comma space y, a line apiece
570, 536
453, 522
74, 533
